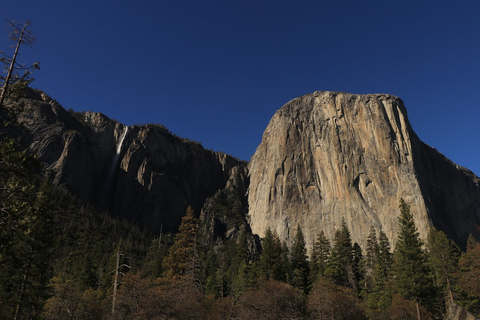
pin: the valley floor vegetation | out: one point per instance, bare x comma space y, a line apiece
59, 259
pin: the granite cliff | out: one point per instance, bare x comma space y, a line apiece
329, 156
142, 173
324, 157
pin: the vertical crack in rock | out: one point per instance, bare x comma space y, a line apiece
363, 157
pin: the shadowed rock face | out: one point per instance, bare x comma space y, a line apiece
329, 156
150, 181
159, 175
324, 157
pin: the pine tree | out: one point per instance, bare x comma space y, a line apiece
385, 258
371, 257
443, 259
25, 234
157, 252
245, 278
270, 258
340, 270
469, 276
358, 266
320, 257
212, 282
219, 271
242, 248
378, 295
299, 261
182, 261
413, 278
285, 270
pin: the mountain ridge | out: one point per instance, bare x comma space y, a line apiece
334, 156
150, 181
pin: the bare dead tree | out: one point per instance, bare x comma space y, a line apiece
19, 35
116, 281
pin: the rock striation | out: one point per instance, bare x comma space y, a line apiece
159, 175
329, 156
142, 173
325, 157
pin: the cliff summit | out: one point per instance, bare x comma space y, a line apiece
330, 156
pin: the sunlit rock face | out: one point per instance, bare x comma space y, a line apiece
329, 156
324, 157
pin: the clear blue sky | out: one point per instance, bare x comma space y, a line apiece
216, 71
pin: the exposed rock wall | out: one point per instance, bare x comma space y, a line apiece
76, 151
224, 216
324, 157
151, 181
329, 156
161, 174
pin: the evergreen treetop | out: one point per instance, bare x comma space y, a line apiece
443, 258
299, 261
184, 249
320, 256
413, 277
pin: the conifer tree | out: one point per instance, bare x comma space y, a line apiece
379, 262
242, 248
182, 260
320, 257
157, 252
212, 282
285, 272
219, 270
371, 257
299, 261
340, 270
469, 276
358, 266
385, 258
443, 258
26, 223
270, 258
413, 278
245, 277
243, 272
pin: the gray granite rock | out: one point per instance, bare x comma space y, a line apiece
329, 156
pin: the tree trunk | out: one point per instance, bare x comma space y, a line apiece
12, 65
24, 284
419, 316
449, 288
115, 284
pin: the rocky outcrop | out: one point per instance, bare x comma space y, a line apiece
329, 156
224, 216
75, 148
142, 173
159, 175
456, 312
324, 157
